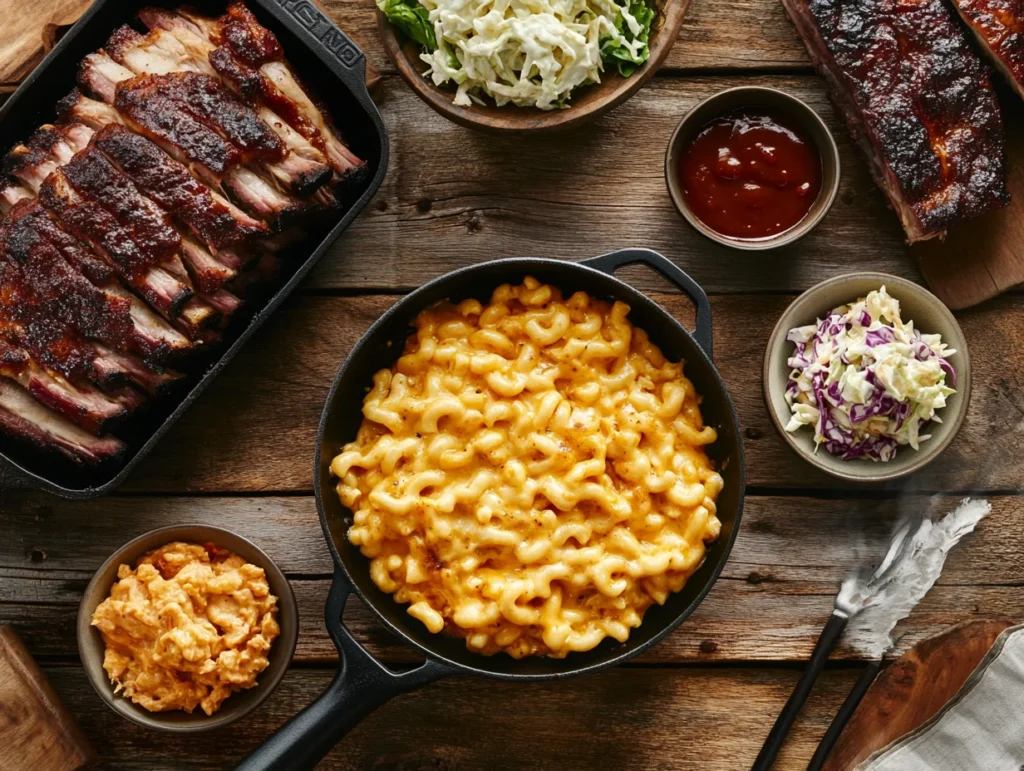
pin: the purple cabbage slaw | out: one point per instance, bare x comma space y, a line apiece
866, 381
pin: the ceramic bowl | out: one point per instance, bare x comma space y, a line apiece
756, 96
91, 647
928, 314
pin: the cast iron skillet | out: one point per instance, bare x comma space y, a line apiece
362, 683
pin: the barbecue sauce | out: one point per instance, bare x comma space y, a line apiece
750, 174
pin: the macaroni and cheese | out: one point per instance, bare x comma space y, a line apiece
531, 474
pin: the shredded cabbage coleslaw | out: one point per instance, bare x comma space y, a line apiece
867, 381
523, 52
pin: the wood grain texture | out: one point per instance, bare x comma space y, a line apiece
38, 732
770, 603
454, 197
256, 425
711, 719
912, 689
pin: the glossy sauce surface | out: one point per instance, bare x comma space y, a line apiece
750, 174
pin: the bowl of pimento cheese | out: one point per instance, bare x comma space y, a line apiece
187, 628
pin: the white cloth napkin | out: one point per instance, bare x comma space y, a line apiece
982, 727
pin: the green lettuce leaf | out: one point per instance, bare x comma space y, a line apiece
412, 18
614, 54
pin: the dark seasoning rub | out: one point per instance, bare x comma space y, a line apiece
919, 101
133, 231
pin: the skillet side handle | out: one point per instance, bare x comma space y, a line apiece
609, 263
361, 685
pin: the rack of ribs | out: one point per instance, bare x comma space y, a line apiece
182, 169
919, 102
998, 25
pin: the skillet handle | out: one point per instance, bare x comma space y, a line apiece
609, 263
361, 685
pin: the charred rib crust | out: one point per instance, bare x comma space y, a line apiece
249, 40
66, 291
67, 103
171, 185
919, 100
143, 101
95, 177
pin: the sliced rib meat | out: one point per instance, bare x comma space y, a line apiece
90, 222
53, 330
25, 419
11, 194
177, 47
217, 222
998, 26
153, 242
168, 289
95, 176
260, 134
29, 323
183, 137
33, 161
249, 58
126, 368
82, 404
65, 291
148, 334
918, 100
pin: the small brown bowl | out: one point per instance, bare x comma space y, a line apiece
929, 315
91, 646
756, 96
587, 102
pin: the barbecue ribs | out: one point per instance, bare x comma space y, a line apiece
998, 26
174, 183
919, 102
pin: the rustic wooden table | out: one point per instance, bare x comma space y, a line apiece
705, 697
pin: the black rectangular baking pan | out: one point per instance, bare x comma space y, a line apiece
334, 67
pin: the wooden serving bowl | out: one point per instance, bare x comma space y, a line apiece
587, 102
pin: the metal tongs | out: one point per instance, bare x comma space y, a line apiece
910, 568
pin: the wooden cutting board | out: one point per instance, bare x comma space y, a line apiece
912, 689
35, 730
985, 257
32, 28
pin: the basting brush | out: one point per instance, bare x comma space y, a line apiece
873, 604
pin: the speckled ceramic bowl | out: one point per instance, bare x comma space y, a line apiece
91, 646
928, 314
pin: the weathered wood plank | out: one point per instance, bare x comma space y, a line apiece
774, 595
690, 719
454, 197
717, 34
254, 430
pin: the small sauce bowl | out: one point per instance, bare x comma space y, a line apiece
774, 101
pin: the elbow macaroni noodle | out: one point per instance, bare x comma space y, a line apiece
531, 474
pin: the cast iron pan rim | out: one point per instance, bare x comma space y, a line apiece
628, 651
